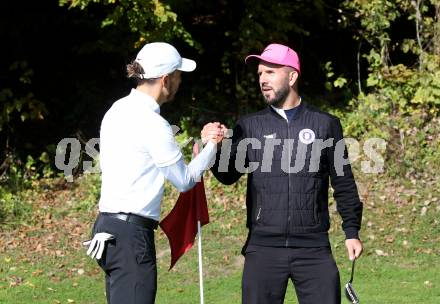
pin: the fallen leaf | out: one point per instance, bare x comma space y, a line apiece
428, 284
381, 252
16, 281
389, 239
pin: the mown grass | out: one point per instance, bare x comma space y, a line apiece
378, 280
41, 260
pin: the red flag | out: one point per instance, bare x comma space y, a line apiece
180, 225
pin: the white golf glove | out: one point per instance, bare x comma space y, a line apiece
97, 244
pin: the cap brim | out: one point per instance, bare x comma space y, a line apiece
188, 65
246, 60
270, 60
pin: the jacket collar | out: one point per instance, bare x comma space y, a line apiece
279, 113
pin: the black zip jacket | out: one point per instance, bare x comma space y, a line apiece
287, 202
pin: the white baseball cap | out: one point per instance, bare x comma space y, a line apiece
160, 58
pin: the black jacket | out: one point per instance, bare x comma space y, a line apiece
288, 207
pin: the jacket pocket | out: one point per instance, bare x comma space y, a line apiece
257, 216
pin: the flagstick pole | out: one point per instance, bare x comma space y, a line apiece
199, 232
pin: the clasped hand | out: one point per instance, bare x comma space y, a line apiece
214, 132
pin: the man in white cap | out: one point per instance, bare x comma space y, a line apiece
137, 153
294, 150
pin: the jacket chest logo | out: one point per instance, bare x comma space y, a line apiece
273, 135
306, 136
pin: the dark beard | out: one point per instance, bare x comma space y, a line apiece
280, 97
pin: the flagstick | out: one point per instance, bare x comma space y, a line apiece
199, 232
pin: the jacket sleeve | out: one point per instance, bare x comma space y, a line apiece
346, 194
224, 168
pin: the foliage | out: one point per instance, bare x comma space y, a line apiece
16, 179
13, 206
401, 101
150, 20
17, 108
26, 106
21, 105
91, 185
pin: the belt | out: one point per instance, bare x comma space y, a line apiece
134, 219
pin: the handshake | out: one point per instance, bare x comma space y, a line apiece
214, 132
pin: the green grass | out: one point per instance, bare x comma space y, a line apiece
401, 262
377, 280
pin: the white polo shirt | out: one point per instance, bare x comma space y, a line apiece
137, 153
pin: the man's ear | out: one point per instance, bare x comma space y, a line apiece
165, 80
293, 77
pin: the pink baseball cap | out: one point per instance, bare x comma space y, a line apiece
278, 54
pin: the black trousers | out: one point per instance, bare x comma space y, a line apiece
129, 262
267, 271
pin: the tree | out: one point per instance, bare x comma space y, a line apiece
401, 100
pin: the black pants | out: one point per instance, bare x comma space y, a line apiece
129, 262
268, 269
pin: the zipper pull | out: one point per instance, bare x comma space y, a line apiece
258, 215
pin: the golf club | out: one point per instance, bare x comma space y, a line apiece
350, 293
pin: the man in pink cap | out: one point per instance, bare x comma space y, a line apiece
291, 151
